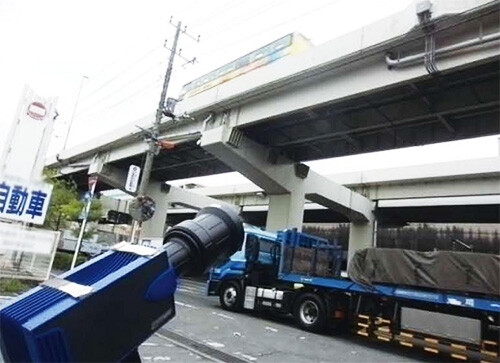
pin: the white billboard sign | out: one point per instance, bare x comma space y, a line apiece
26, 145
24, 202
29, 240
132, 178
26, 253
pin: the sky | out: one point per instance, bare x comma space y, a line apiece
112, 53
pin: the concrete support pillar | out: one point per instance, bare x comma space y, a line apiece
164, 195
155, 227
285, 211
361, 235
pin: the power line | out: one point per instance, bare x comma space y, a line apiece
216, 31
89, 108
107, 108
123, 86
133, 48
217, 14
210, 15
268, 29
120, 74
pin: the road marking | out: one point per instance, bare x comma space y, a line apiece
147, 344
214, 344
274, 330
224, 316
190, 292
246, 356
164, 358
180, 303
190, 288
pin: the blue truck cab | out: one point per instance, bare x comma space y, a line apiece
235, 268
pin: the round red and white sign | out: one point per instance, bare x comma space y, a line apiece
37, 110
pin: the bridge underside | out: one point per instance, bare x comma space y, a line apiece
448, 106
445, 107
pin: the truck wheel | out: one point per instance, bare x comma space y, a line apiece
231, 296
310, 312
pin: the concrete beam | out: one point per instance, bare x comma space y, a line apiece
279, 175
190, 199
114, 177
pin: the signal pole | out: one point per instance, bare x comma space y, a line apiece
154, 148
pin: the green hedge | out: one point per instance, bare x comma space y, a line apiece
15, 286
62, 260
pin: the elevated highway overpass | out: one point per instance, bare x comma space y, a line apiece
377, 88
465, 191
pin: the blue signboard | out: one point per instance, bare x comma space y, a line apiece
20, 201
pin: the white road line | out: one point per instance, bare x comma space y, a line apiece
180, 303
190, 293
224, 316
164, 358
192, 288
192, 283
246, 356
214, 344
196, 286
274, 330
147, 344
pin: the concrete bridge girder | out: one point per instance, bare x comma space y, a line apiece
288, 184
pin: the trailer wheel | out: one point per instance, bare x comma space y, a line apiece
231, 296
310, 312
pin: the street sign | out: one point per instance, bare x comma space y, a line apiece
24, 202
37, 111
132, 178
92, 181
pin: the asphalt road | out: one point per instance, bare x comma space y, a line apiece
202, 331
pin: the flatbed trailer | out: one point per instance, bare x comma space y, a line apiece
261, 277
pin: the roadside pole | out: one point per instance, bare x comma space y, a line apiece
86, 211
153, 142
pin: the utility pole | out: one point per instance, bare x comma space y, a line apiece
153, 145
154, 148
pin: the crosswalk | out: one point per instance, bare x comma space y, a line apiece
192, 287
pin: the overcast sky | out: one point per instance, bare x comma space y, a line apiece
118, 45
